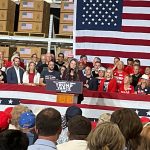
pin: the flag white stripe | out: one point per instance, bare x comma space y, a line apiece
116, 47
29, 95
110, 60
135, 23
87, 112
113, 34
136, 10
118, 103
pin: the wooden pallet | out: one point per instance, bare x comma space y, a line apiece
38, 34
21, 34
70, 36
6, 33
30, 34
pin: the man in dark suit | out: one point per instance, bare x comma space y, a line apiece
15, 73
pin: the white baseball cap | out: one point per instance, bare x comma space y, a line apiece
144, 76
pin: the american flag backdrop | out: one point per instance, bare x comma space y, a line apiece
113, 28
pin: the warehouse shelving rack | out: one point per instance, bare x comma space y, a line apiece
50, 42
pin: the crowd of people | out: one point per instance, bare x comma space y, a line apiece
129, 79
21, 129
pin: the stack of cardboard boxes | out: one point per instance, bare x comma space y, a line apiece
34, 16
7, 15
66, 18
27, 51
8, 51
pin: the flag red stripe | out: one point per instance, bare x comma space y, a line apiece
112, 53
135, 29
136, 16
136, 3
90, 39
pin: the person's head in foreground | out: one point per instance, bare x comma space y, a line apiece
79, 128
48, 124
106, 136
146, 132
16, 112
72, 111
105, 117
13, 140
131, 127
4, 121
27, 120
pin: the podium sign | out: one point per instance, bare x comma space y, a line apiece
62, 86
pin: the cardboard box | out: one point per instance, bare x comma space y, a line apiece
8, 51
30, 27
34, 21
66, 18
7, 18
6, 4
35, 5
8, 14
66, 29
33, 16
5, 50
66, 51
3, 15
5, 26
67, 7
27, 51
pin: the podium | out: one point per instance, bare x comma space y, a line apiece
67, 91
67, 98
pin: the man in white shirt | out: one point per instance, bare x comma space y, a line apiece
79, 128
15, 73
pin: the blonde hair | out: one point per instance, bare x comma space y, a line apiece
111, 72
16, 112
106, 136
146, 132
105, 117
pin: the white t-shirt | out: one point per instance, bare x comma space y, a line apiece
73, 145
18, 74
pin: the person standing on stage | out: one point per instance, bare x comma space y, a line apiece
90, 82
72, 73
119, 74
108, 84
15, 73
31, 76
49, 73
126, 86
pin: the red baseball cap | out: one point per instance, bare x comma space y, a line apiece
144, 119
8, 111
4, 120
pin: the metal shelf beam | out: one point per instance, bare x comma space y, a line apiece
35, 39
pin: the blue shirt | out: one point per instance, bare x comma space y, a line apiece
30, 137
41, 144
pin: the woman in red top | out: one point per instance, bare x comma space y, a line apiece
126, 87
108, 84
31, 76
